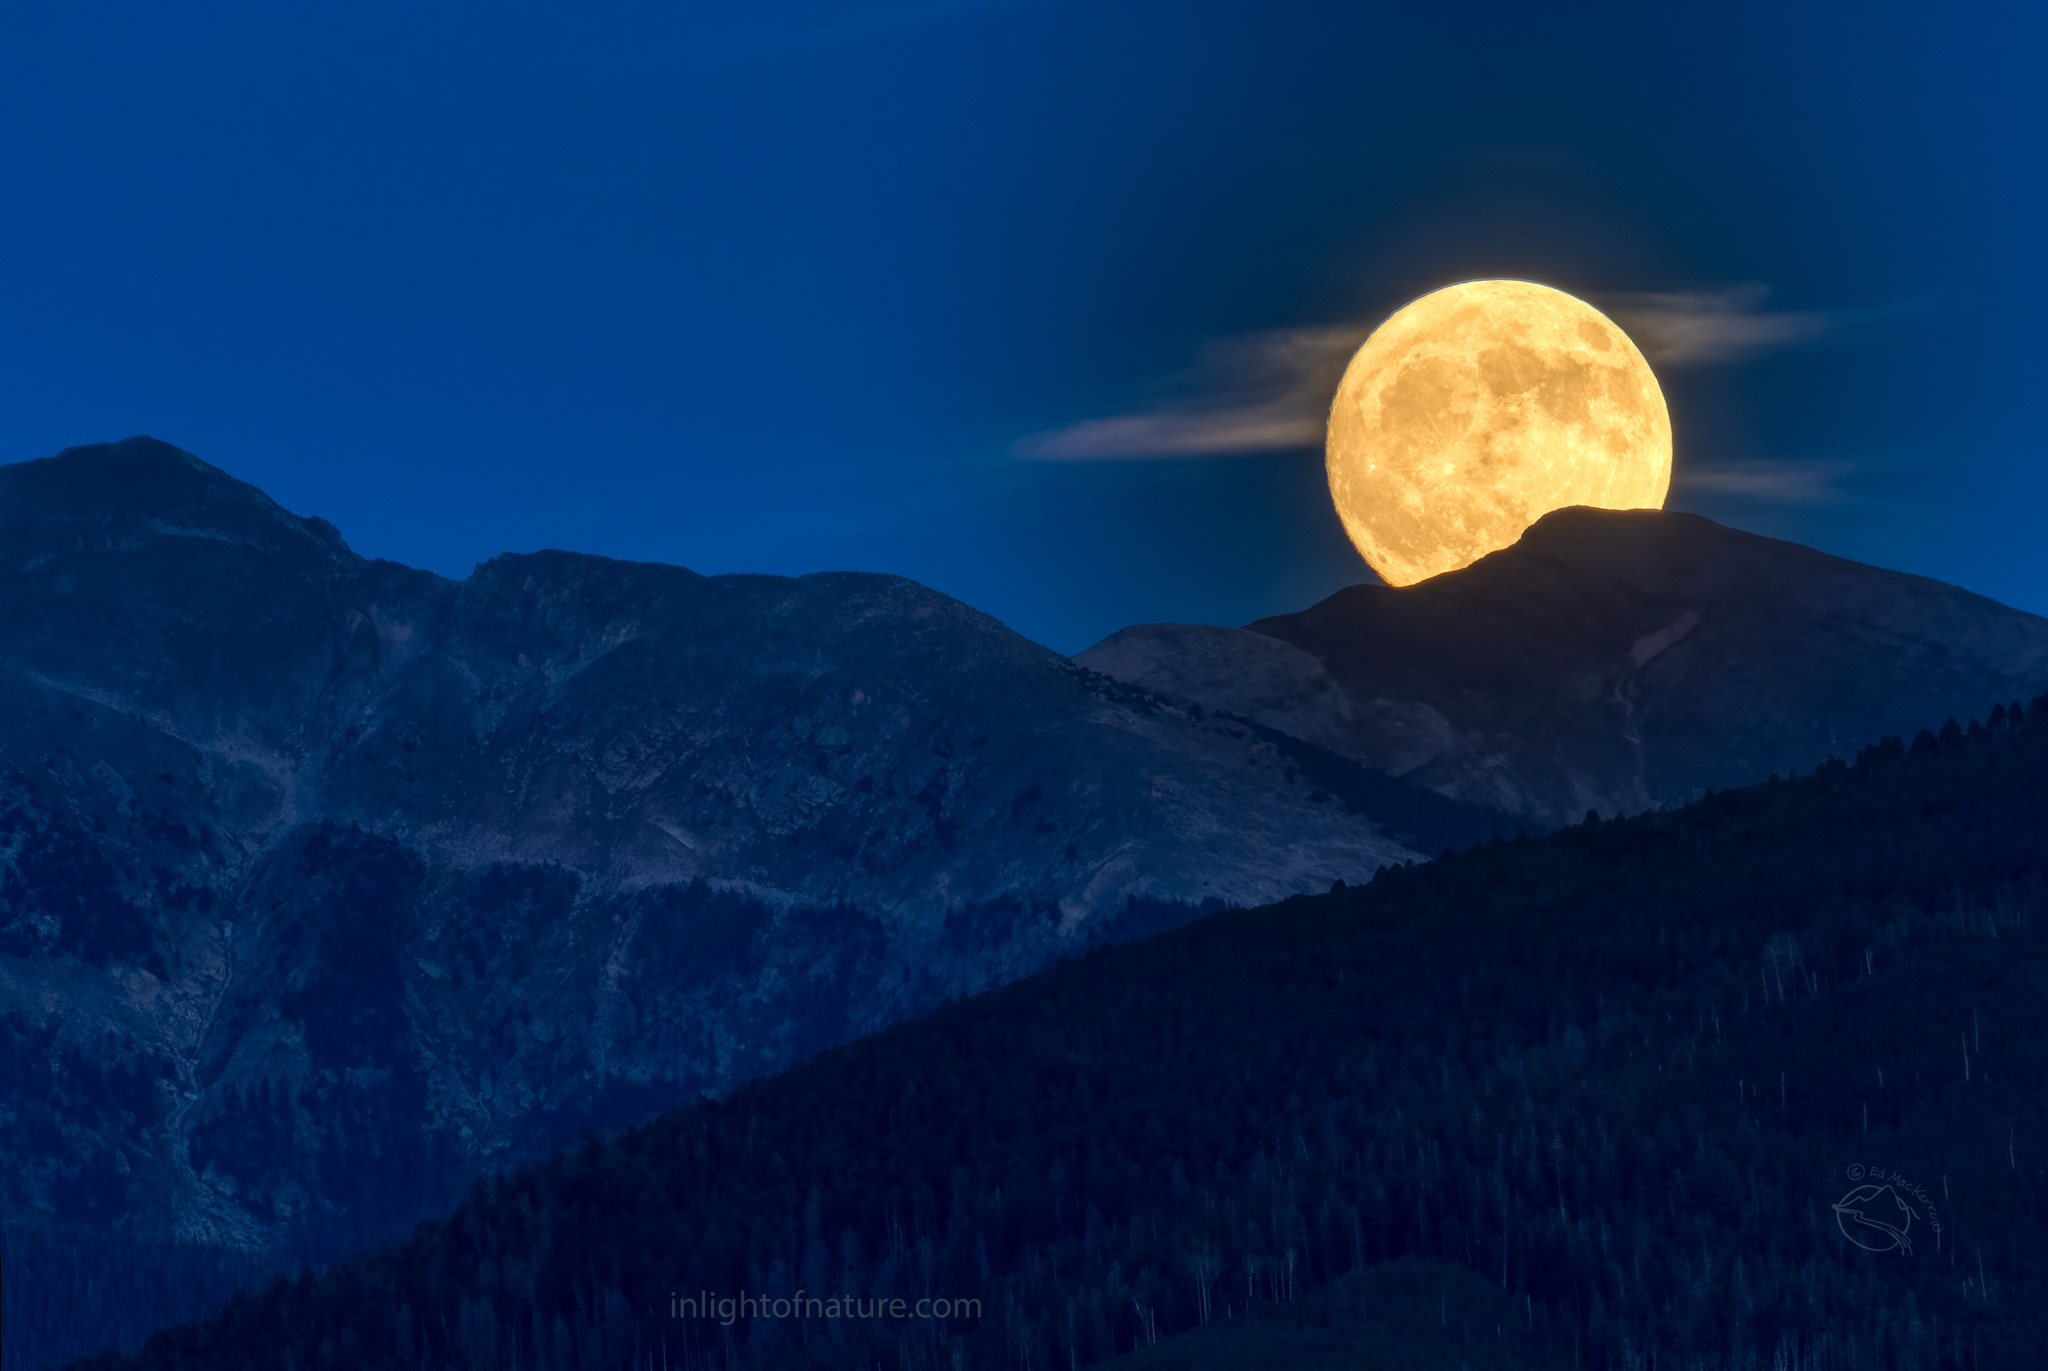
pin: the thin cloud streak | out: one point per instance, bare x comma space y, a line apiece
1702, 328
1270, 391
1784, 481
1262, 392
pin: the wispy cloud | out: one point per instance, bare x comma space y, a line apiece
1704, 327
1270, 391
1260, 392
1785, 481
1698, 328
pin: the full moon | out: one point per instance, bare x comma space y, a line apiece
1478, 409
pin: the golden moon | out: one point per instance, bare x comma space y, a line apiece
1478, 409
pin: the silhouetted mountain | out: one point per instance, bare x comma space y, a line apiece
1754, 1083
325, 881
1610, 660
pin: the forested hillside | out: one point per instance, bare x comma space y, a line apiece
1662, 1085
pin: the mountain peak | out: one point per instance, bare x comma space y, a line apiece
1609, 659
1662, 542
1586, 529
139, 485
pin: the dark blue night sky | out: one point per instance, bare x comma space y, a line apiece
783, 287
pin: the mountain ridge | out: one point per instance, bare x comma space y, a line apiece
300, 846
1610, 660
307, 858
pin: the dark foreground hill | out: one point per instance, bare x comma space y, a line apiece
1757, 1083
1616, 660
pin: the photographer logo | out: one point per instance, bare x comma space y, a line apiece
1882, 1209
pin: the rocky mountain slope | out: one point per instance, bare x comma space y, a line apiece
325, 881
1610, 660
